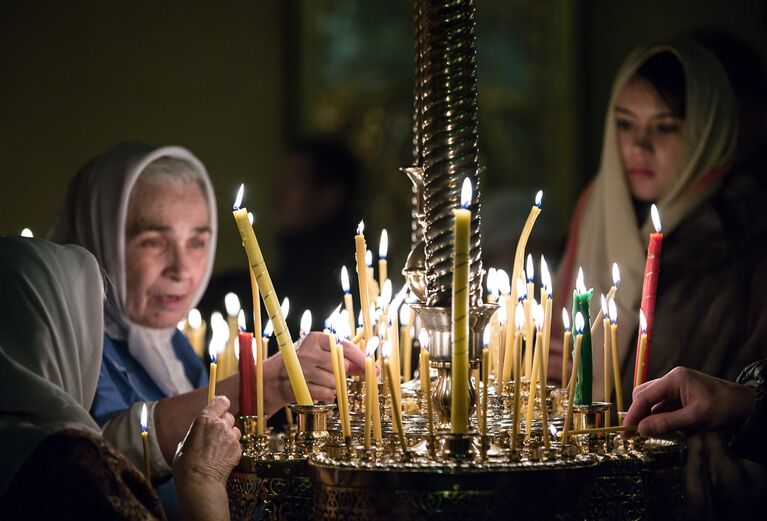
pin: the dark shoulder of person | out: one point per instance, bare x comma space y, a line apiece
74, 474
741, 203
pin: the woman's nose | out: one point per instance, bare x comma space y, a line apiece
641, 139
177, 265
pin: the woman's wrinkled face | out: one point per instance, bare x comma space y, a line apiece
167, 238
649, 139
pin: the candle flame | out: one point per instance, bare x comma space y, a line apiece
386, 349
466, 193
404, 315
579, 323
503, 281
359, 319
306, 322
383, 245
520, 287
285, 307
194, 319
241, 320
519, 316
343, 320
613, 310
565, 319
368, 258
143, 420
268, 329
238, 199
642, 322
492, 284
361, 228
370, 349
232, 304
580, 285
219, 334
345, 280
251, 218
486, 335
386, 293
423, 339
181, 325
616, 275
530, 271
603, 301
552, 430
545, 273
539, 198
26, 232
538, 316
655, 218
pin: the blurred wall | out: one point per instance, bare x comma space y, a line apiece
77, 77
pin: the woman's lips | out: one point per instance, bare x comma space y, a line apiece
170, 301
643, 173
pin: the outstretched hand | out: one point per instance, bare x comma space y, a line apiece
688, 400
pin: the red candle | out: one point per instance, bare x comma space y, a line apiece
247, 368
649, 288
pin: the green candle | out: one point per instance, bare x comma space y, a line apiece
581, 302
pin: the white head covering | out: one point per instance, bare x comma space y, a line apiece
50, 345
94, 216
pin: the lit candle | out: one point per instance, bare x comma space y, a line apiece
383, 248
649, 289
372, 346
213, 371
547, 302
485, 375
642, 351
580, 324
508, 359
145, 442
271, 302
228, 360
195, 331
459, 410
519, 255
492, 286
346, 287
565, 346
610, 295
423, 360
607, 385
536, 371
247, 366
396, 406
529, 321
362, 280
370, 381
343, 398
613, 310
581, 302
517, 363
26, 232
306, 323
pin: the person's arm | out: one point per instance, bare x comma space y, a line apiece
688, 400
748, 441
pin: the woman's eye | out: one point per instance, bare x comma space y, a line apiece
624, 124
152, 243
197, 243
670, 128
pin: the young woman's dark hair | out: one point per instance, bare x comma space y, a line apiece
666, 74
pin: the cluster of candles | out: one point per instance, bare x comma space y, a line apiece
520, 320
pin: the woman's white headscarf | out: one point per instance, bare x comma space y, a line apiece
94, 216
604, 229
51, 335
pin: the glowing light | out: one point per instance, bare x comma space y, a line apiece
530, 271
219, 334
579, 323
545, 275
251, 218
423, 339
370, 349
404, 315
492, 283
486, 334
238, 199
552, 430
565, 319
241, 320
613, 312
386, 349
383, 245
642, 322
143, 420
605, 313
519, 316
180, 326
504, 281
538, 316
580, 285
616, 275
361, 228
232, 304
268, 329
466, 193
386, 293
306, 322
194, 319
655, 218
345, 280
539, 198
26, 232
285, 307
369, 258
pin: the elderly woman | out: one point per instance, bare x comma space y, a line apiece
149, 216
670, 134
50, 346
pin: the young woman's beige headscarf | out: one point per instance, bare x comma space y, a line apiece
51, 334
605, 229
94, 216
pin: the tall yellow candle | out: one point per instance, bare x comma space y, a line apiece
212, 379
459, 410
396, 408
383, 248
640, 370
265, 286
145, 442
344, 398
346, 287
370, 382
337, 380
260, 420
360, 248
485, 381
606, 383
195, 331
613, 311
519, 255
536, 371
376, 412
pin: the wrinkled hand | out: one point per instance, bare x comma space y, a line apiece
313, 352
688, 400
211, 448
